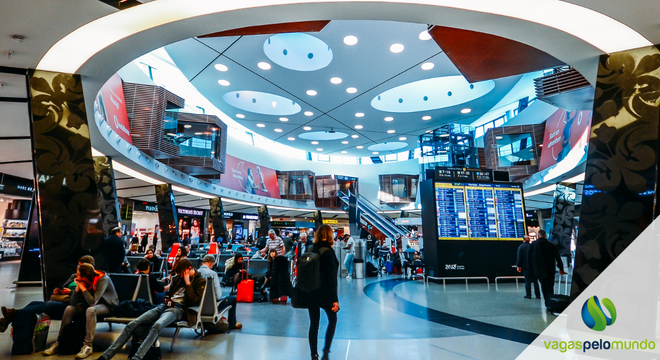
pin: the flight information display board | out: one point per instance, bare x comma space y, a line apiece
479, 211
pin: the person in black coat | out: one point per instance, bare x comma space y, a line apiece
144, 242
325, 297
280, 284
522, 263
114, 249
542, 255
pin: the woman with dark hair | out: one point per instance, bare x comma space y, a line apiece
181, 253
233, 270
325, 297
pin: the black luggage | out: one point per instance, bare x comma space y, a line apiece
559, 302
70, 341
372, 271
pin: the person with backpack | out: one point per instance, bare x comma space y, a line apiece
317, 280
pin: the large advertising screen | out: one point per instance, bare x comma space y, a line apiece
250, 178
479, 211
111, 106
565, 131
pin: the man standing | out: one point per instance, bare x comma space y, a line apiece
302, 245
274, 242
114, 250
206, 272
350, 254
522, 263
288, 242
542, 255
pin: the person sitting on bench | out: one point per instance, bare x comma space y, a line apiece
184, 296
206, 272
157, 288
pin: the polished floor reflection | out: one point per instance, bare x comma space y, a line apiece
385, 318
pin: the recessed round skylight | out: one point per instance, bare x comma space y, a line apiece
355, 136
396, 48
359, 114
240, 116
344, 152
389, 118
290, 138
315, 142
335, 80
261, 125
466, 111
350, 40
187, 126
319, 149
311, 92
307, 128
359, 147
351, 90
344, 142
375, 153
221, 67
358, 127
427, 117
223, 82
403, 138
323, 135
390, 131
428, 66
308, 113
284, 119
261, 102
278, 130
298, 51
264, 65
424, 35
199, 133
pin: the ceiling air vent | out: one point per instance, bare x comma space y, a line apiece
565, 88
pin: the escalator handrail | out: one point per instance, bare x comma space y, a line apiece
374, 217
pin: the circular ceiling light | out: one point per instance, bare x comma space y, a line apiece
290, 138
187, 126
403, 138
427, 117
199, 133
308, 113
359, 147
335, 80
375, 153
323, 135
344, 152
428, 66
240, 116
396, 48
264, 65
424, 35
278, 130
274, 103
359, 114
298, 51
388, 146
344, 142
311, 92
466, 111
350, 40
499, 137
284, 119
319, 149
221, 67
390, 131
351, 90
389, 118
358, 127
307, 128
261, 125
223, 82
315, 142
355, 136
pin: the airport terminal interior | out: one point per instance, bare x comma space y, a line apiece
438, 140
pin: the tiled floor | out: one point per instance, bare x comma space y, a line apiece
385, 318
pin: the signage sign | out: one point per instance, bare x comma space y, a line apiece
564, 131
346, 178
189, 212
463, 174
330, 221
249, 178
283, 223
13, 185
239, 216
145, 206
111, 106
250, 217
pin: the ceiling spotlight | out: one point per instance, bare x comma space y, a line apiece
466, 111
344, 142
308, 113
428, 66
274, 103
390, 131
389, 118
187, 126
240, 116
284, 119
335, 80
319, 149
278, 130
311, 92
221, 67
171, 134
315, 142
223, 82
358, 127
264, 65
359, 147
396, 48
344, 152
350, 40
424, 35
427, 117
307, 128
355, 136
499, 137
261, 125
290, 138
199, 133
403, 138
351, 90
375, 152
359, 114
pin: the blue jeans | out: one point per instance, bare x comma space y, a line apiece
348, 263
161, 316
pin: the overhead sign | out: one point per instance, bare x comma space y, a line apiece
145, 206
14, 185
283, 223
189, 212
111, 106
330, 221
463, 174
240, 216
346, 178
250, 217
250, 178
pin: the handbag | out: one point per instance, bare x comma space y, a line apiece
65, 298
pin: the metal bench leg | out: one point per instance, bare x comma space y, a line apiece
110, 326
174, 339
203, 332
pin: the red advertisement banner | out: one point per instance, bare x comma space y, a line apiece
564, 130
250, 178
112, 107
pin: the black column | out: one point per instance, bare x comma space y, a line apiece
30, 272
563, 210
167, 216
64, 171
264, 224
318, 219
107, 193
217, 218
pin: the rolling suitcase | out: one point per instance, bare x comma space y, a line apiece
559, 302
245, 288
389, 267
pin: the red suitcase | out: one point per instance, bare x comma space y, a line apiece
245, 291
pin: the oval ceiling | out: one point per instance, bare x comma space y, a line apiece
298, 51
395, 145
430, 94
323, 135
261, 102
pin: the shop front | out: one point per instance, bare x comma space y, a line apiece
191, 224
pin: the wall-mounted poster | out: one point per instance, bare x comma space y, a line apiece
250, 178
565, 131
110, 105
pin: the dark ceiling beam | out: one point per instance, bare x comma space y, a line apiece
15, 162
292, 27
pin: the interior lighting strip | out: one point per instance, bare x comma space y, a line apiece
130, 172
541, 190
75, 49
192, 192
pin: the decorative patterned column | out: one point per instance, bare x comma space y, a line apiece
167, 216
107, 193
218, 220
619, 196
264, 224
563, 210
66, 188
318, 219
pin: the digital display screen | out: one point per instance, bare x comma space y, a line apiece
478, 211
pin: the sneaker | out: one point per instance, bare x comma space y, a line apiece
349, 277
85, 352
52, 350
238, 326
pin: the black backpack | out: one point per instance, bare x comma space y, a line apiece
309, 270
72, 337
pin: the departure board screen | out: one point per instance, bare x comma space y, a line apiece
478, 211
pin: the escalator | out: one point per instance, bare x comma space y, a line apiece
369, 216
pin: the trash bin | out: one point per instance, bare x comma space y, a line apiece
358, 265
